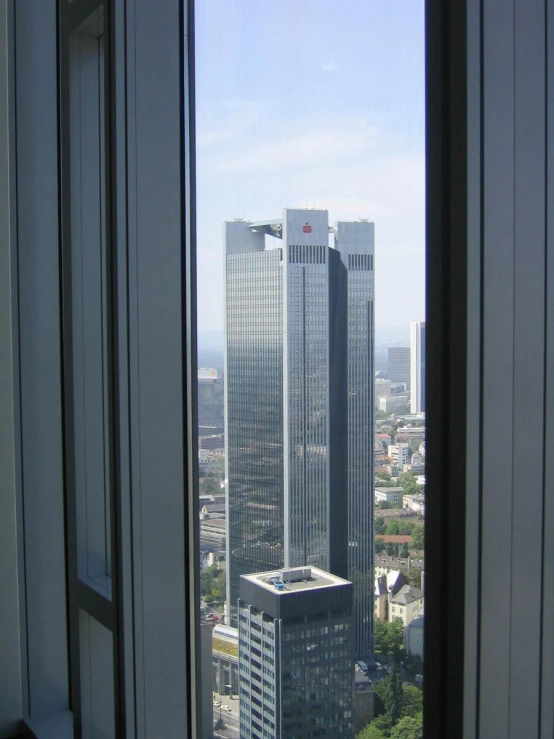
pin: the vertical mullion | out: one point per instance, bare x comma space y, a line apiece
67, 368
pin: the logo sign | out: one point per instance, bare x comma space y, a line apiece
307, 228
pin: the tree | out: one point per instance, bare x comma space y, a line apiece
413, 577
389, 639
379, 728
393, 528
392, 697
412, 701
396, 640
379, 546
404, 551
209, 486
409, 727
380, 526
391, 549
418, 536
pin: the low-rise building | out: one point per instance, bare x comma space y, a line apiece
413, 637
384, 564
364, 701
387, 585
415, 503
389, 495
391, 404
407, 604
225, 660
399, 454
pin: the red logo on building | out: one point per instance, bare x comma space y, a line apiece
307, 228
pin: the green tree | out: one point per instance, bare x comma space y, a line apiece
209, 486
379, 728
390, 549
396, 639
418, 536
404, 551
409, 727
412, 701
393, 528
413, 577
392, 697
380, 526
379, 546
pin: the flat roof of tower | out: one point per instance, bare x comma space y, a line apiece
316, 579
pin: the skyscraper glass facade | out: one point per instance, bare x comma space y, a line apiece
254, 415
355, 242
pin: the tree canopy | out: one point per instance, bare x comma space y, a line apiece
389, 639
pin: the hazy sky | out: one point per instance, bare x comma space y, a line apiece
313, 103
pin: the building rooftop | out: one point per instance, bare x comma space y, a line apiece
295, 579
407, 594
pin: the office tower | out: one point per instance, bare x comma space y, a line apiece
299, 401
355, 242
286, 408
295, 655
417, 366
210, 401
399, 364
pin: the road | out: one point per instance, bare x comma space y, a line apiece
230, 718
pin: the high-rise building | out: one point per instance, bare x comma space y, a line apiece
399, 365
210, 401
296, 669
417, 366
355, 241
299, 400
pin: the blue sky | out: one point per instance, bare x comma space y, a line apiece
319, 104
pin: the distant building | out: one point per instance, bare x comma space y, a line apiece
382, 388
399, 365
417, 366
413, 637
364, 701
399, 454
225, 660
299, 346
296, 655
389, 495
407, 604
210, 401
414, 503
391, 404
387, 584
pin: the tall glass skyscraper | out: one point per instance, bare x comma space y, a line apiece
355, 242
299, 369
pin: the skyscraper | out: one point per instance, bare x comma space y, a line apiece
417, 366
295, 655
299, 398
355, 241
399, 364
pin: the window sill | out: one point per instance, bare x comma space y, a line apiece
59, 726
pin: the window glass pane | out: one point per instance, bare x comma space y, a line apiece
311, 335
89, 306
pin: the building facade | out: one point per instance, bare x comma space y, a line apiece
210, 401
399, 453
299, 400
417, 366
399, 365
355, 242
389, 495
296, 669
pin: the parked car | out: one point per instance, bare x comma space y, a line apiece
226, 708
